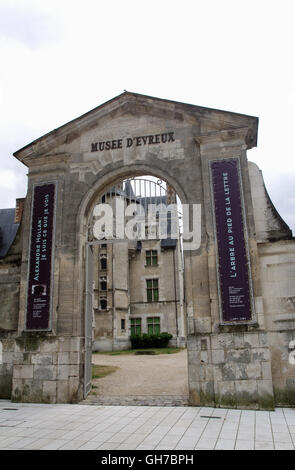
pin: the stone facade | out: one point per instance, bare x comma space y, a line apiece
126, 294
243, 365
121, 272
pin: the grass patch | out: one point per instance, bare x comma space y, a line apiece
132, 352
99, 371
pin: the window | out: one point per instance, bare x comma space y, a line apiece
135, 326
103, 264
103, 283
123, 324
151, 258
153, 324
103, 303
152, 290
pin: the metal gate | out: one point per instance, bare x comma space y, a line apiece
88, 320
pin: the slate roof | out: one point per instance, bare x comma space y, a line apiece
8, 230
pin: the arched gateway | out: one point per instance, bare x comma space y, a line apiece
239, 279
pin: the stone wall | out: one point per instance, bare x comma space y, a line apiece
234, 370
7, 341
47, 369
278, 280
10, 267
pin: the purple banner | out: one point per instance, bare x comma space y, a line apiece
40, 263
233, 261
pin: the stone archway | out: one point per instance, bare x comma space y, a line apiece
170, 254
198, 151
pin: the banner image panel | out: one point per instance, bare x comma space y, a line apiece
233, 260
41, 257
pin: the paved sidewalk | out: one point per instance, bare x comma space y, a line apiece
36, 426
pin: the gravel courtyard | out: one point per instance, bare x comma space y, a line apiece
164, 374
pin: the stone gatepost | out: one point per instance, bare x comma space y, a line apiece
48, 365
233, 357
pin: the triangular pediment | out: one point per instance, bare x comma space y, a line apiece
112, 114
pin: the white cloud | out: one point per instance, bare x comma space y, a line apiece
230, 55
28, 26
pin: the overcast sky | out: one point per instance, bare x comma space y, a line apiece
61, 58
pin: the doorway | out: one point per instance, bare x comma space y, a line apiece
135, 290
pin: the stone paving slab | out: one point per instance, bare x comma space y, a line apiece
91, 427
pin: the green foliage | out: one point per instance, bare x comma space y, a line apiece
150, 341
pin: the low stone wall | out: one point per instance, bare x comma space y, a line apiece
277, 261
47, 369
7, 345
234, 370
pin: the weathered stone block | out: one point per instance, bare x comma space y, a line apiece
23, 371
8, 344
48, 347
74, 370
63, 372
239, 340
75, 391
199, 375
49, 388
238, 355
253, 371
251, 340
27, 391
265, 387
74, 358
44, 372
266, 371
203, 325
5, 383
228, 371
247, 388
42, 359
7, 357
218, 356
64, 344
204, 357
260, 354
226, 340
263, 339
218, 373
62, 391
241, 373
194, 356
75, 344
63, 358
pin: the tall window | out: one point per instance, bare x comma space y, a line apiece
135, 326
151, 258
152, 290
153, 324
103, 303
103, 264
103, 283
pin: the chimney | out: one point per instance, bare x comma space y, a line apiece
19, 208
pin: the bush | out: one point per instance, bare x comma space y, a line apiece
150, 341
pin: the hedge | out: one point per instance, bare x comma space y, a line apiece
150, 341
